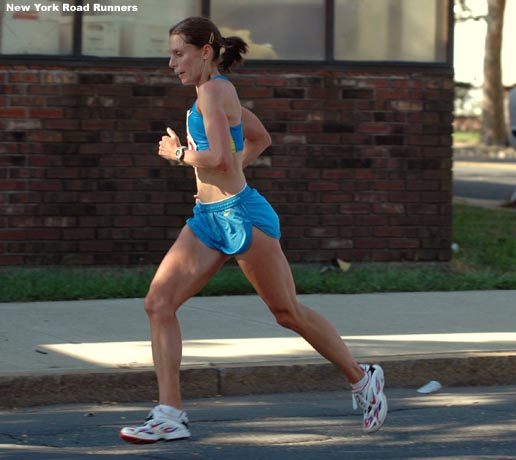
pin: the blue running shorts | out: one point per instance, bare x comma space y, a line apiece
227, 225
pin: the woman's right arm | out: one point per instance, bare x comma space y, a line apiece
256, 137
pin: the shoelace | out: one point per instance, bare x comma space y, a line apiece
358, 400
358, 397
183, 419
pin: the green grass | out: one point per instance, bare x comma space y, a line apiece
486, 259
466, 137
487, 239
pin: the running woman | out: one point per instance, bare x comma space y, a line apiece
230, 219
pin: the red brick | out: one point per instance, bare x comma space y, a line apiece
96, 246
43, 234
355, 208
255, 92
403, 243
289, 139
271, 173
267, 81
46, 113
61, 124
60, 77
323, 186
12, 185
16, 77
323, 93
336, 243
386, 256
44, 136
62, 173
275, 104
338, 174
389, 208
129, 221
12, 112
390, 185
147, 234
374, 128
12, 234
336, 197
44, 89
370, 220
380, 82
307, 127
412, 83
11, 260
388, 232
369, 243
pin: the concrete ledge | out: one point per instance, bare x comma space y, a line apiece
121, 385
114, 385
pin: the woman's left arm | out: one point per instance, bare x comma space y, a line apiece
257, 139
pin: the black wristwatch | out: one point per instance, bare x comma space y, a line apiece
180, 153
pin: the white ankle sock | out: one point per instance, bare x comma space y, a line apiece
360, 385
170, 411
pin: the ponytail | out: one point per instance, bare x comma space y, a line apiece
234, 48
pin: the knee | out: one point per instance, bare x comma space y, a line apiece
286, 320
158, 307
289, 318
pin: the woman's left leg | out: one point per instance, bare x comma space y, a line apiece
267, 269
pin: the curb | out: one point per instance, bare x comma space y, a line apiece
122, 385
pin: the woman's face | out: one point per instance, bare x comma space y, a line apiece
187, 61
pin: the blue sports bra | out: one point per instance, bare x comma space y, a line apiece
196, 133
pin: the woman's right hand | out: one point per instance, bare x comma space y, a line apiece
168, 145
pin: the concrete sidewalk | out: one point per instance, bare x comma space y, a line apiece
100, 350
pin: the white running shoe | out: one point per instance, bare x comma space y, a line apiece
372, 399
157, 427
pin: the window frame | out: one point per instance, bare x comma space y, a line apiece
76, 59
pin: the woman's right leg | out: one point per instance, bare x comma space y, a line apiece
186, 268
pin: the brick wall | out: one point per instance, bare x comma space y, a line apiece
360, 166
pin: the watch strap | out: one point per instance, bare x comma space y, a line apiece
180, 153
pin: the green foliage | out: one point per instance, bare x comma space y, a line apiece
486, 259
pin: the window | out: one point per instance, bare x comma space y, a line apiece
121, 31
276, 30
110, 28
391, 30
285, 29
25, 30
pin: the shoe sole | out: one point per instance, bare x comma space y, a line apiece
135, 440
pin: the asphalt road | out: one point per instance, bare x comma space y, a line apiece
455, 423
488, 180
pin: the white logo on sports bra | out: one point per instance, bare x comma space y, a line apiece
189, 139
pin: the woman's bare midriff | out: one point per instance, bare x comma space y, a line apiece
215, 185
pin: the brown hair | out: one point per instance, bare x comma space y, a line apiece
199, 31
